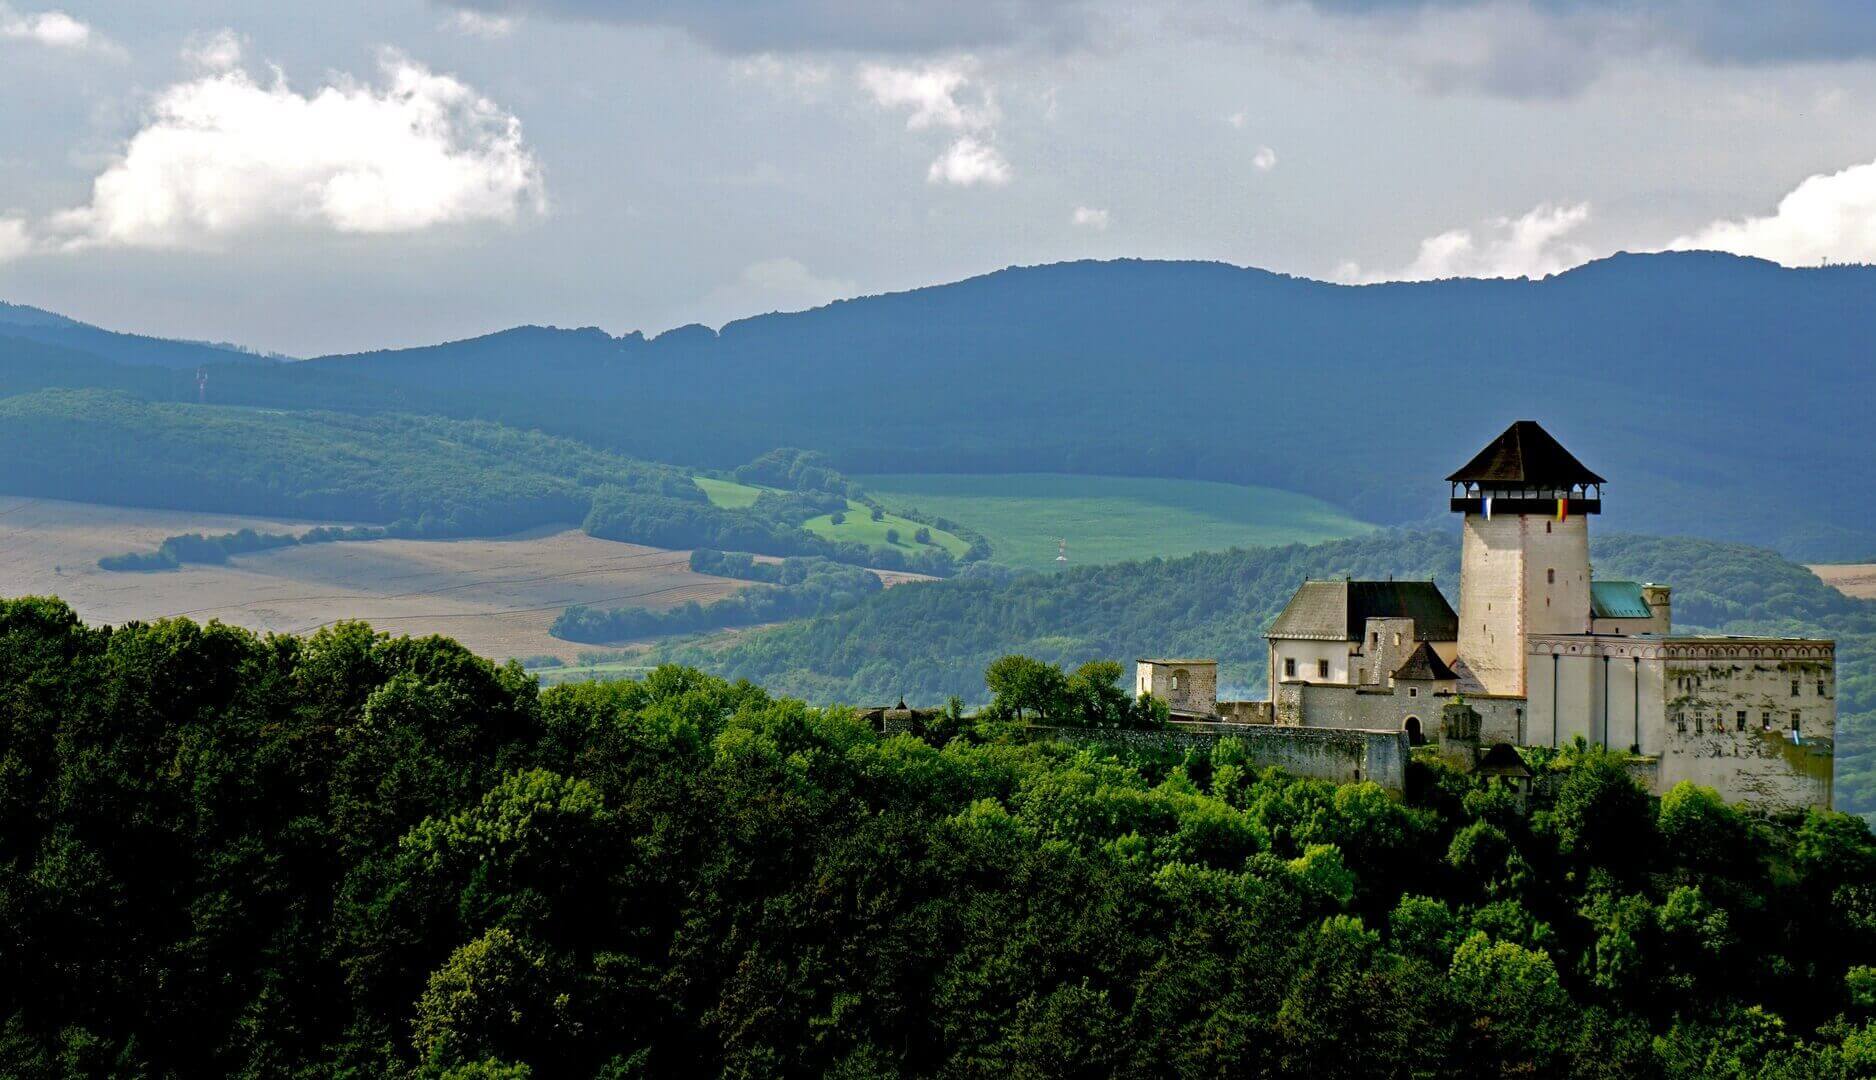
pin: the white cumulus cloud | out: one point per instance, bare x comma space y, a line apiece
1827, 217
482, 24
226, 153
1088, 217
940, 95
1532, 245
15, 241
1265, 159
219, 51
53, 29
968, 162
947, 96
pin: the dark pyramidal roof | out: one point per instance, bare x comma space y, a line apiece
1340, 610
1528, 456
1424, 663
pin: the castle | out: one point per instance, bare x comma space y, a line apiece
1540, 652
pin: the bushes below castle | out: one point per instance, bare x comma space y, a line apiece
355, 855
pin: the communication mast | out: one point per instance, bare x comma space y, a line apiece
201, 386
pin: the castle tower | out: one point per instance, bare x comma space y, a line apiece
1524, 561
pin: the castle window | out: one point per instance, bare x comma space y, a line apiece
1546, 526
1322, 669
1794, 688
1289, 667
1680, 723
1700, 724
1551, 575
1820, 688
1413, 691
1375, 639
1175, 682
1794, 721
1739, 721
1765, 720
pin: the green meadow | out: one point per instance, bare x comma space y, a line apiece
859, 526
1112, 518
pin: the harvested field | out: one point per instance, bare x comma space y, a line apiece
1851, 579
497, 596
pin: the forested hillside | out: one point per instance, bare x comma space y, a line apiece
1723, 396
930, 641
222, 855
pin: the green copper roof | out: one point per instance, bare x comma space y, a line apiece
1618, 600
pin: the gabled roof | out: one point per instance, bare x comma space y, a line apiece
1502, 760
1525, 455
1424, 663
1340, 610
1618, 600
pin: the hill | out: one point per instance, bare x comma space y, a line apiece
1113, 518
356, 855
32, 324
1725, 396
1656, 369
927, 641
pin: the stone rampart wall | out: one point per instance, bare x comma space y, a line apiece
1339, 755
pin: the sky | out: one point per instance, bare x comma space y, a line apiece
342, 176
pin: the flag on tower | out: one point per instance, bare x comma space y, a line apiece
1563, 508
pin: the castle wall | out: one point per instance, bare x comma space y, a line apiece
1680, 699
1197, 684
1338, 755
1762, 759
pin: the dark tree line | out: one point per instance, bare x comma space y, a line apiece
228, 855
797, 588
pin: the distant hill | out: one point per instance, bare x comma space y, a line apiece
1725, 397
32, 324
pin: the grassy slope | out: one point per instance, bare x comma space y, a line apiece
1111, 518
728, 493
859, 526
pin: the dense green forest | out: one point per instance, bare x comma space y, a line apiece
791, 589
356, 855
929, 641
1023, 370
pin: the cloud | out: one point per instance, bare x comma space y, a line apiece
932, 94
1265, 159
1827, 217
967, 163
1088, 217
945, 95
1529, 246
482, 24
15, 240
804, 79
219, 51
779, 284
53, 29
1717, 31
876, 26
224, 154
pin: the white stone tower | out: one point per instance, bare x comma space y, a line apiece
1524, 563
